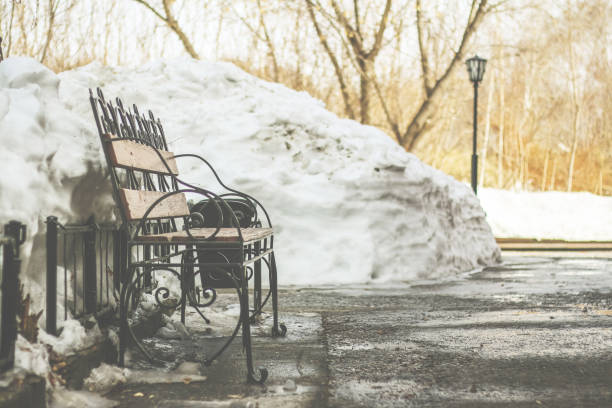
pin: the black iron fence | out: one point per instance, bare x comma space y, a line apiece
10, 263
83, 270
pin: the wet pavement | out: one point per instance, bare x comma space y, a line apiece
531, 332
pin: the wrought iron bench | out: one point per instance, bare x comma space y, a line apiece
220, 244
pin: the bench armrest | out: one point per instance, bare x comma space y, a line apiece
233, 191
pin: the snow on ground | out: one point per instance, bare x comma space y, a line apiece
73, 337
548, 215
349, 205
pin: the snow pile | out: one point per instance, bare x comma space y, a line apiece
548, 215
105, 377
348, 204
32, 358
73, 337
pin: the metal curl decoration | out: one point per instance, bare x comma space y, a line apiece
206, 294
165, 292
128, 292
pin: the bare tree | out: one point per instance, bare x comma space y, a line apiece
431, 83
500, 137
10, 30
364, 56
575, 107
267, 39
52, 11
169, 19
408, 132
338, 71
485, 146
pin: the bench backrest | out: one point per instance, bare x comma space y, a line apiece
134, 146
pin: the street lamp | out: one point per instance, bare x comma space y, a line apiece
476, 69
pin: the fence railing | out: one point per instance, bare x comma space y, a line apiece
10, 263
88, 258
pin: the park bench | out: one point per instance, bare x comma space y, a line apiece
225, 238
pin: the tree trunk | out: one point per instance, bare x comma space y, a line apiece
554, 174
364, 96
500, 146
570, 176
575, 107
271, 51
485, 146
332, 57
52, 10
543, 186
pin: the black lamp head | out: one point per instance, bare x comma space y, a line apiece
476, 68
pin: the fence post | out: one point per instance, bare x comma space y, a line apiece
116, 260
6, 360
119, 257
51, 299
10, 291
90, 292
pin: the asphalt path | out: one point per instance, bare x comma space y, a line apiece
531, 332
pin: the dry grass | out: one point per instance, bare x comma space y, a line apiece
589, 174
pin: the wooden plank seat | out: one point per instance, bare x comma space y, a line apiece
224, 234
151, 201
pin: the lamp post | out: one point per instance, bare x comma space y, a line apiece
476, 69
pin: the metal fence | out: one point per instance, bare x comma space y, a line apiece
87, 260
10, 263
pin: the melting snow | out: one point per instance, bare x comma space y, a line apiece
348, 204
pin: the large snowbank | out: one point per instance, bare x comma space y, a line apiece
348, 204
548, 215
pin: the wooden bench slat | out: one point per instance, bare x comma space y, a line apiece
129, 154
137, 202
224, 234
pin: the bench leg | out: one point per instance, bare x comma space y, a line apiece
257, 281
187, 280
246, 332
278, 330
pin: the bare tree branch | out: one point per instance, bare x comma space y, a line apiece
169, 19
379, 34
422, 49
52, 12
271, 52
343, 88
357, 23
419, 121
